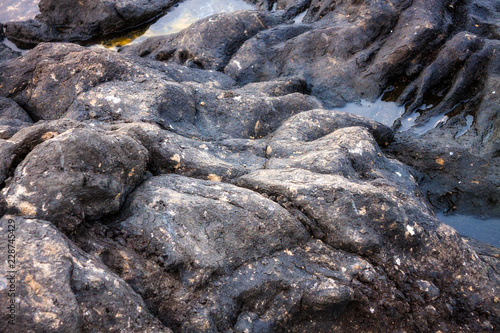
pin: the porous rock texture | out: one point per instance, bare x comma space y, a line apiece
216, 192
439, 58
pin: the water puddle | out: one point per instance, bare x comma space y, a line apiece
383, 112
484, 230
299, 18
469, 120
13, 46
18, 10
408, 123
179, 17
391, 114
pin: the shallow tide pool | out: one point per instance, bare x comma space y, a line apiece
484, 230
180, 17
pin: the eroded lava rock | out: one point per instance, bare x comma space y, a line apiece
151, 196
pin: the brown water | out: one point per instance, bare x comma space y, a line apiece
18, 10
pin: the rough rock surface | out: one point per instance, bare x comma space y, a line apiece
66, 20
85, 184
12, 118
150, 195
208, 43
60, 288
439, 57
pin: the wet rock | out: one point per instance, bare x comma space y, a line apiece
375, 249
241, 113
199, 228
35, 81
458, 159
322, 54
291, 7
190, 109
23, 142
454, 178
438, 62
63, 20
314, 124
60, 288
208, 43
90, 179
7, 53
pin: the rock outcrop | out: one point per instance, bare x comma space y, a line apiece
440, 58
65, 20
201, 182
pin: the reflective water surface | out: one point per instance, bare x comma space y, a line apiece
383, 112
180, 17
484, 230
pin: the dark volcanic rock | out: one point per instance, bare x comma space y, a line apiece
23, 142
150, 194
93, 174
199, 228
208, 43
103, 86
219, 160
7, 53
49, 78
12, 118
60, 288
377, 258
64, 20
430, 51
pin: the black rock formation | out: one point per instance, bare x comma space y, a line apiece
201, 182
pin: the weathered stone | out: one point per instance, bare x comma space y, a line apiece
208, 43
60, 288
103, 86
23, 142
64, 20
378, 253
200, 228
356, 50
250, 207
78, 175
34, 81
219, 161
12, 118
